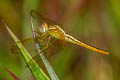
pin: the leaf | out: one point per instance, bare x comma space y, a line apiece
36, 71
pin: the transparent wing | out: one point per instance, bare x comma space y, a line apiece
29, 45
40, 19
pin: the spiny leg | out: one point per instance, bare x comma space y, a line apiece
36, 54
49, 43
14, 48
43, 49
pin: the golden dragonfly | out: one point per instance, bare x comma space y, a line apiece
49, 28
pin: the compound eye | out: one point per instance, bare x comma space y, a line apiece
42, 28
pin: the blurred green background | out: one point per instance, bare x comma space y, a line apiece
96, 22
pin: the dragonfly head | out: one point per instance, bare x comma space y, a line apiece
43, 28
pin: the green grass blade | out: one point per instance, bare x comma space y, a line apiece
32, 65
45, 61
48, 66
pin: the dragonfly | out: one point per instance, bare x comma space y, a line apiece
50, 28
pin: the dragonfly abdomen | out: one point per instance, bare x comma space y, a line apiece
75, 41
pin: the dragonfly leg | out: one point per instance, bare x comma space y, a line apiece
25, 40
36, 54
44, 48
14, 48
38, 32
49, 43
42, 37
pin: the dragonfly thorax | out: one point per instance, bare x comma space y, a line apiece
43, 28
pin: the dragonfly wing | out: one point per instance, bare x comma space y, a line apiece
28, 43
40, 19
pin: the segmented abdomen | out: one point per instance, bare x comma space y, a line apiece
75, 41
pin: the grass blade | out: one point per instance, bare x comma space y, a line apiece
45, 61
36, 71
